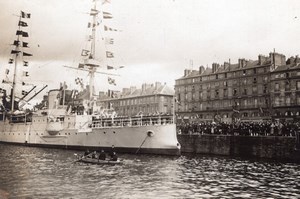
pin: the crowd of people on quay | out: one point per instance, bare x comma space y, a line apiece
263, 128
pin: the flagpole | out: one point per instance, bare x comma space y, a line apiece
15, 69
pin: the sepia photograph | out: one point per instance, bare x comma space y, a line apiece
149, 99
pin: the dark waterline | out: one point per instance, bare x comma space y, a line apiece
28, 172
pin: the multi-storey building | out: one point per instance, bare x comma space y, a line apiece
263, 89
150, 99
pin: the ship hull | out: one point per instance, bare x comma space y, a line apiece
151, 139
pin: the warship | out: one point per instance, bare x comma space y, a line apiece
72, 119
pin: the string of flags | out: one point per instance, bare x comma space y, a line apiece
106, 28
19, 44
87, 54
25, 15
105, 1
107, 15
109, 41
109, 54
111, 67
111, 81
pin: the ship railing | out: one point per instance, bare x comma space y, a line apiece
132, 121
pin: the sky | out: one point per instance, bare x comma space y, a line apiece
157, 40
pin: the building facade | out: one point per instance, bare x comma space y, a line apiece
150, 99
264, 89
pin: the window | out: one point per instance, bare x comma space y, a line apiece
245, 91
298, 100
225, 93
254, 89
245, 103
244, 72
288, 100
277, 86
200, 95
255, 102
254, 70
298, 85
254, 80
217, 93
287, 75
277, 101
287, 85
235, 91
265, 89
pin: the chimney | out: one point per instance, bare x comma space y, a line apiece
132, 89
242, 63
143, 87
125, 90
201, 69
297, 60
226, 65
290, 60
262, 59
157, 85
215, 67
277, 59
187, 72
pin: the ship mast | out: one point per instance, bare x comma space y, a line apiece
15, 70
92, 68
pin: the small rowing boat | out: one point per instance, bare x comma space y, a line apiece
97, 161
89, 160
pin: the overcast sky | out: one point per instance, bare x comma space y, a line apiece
158, 37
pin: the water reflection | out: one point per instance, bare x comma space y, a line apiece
50, 173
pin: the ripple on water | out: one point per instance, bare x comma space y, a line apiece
52, 173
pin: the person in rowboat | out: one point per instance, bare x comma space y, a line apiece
112, 151
114, 157
102, 155
87, 152
94, 155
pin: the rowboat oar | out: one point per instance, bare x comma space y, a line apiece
82, 157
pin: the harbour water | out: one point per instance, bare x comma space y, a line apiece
27, 172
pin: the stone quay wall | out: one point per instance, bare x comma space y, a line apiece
265, 147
